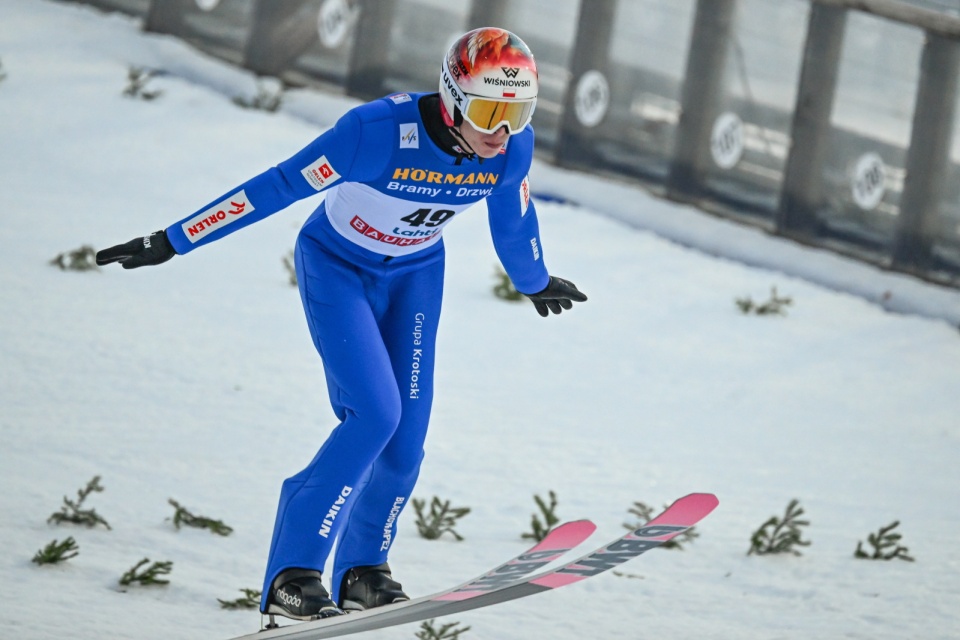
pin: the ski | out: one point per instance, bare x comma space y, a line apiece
496, 587
558, 541
677, 518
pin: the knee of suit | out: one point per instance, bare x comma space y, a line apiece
379, 414
402, 459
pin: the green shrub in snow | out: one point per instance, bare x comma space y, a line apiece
182, 516
504, 288
886, 545
82, 259
137, 80
440, 520
780, 536
56, 552
541, 529
448, 631
250, 600
148, 576
774, 306
269, 98
72, 510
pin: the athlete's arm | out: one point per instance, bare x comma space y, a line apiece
517, 241
348, 146
516, 235
305, 174
513, 219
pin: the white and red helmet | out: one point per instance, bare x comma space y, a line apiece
489, 78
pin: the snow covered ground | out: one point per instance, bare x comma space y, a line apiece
197, 381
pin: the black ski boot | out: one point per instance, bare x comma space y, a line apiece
369, 587
299, 594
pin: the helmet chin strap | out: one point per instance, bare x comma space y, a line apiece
453, 123
463, 141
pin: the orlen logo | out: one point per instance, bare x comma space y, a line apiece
217, 216
524, 195
320, 174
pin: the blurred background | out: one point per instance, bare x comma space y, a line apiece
831, 122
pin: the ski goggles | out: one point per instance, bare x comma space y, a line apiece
487, 115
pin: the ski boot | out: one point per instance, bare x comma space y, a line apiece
299, 594
368, 587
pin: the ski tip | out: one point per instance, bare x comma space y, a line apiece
703, 498
568, 534
690, 509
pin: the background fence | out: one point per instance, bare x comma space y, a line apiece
831, 122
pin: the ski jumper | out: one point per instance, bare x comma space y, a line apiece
369, 265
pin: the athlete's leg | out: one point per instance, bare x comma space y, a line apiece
315, 502
409, 327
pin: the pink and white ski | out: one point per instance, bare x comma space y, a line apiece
557, 542
508, 582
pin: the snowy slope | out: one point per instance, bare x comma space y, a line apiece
197, 381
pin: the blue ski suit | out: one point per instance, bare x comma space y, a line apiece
369, 265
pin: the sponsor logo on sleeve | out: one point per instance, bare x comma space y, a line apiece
400, 98
218, 216
409, 136
320, 174
524, 196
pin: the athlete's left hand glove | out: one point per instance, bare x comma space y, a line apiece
139, 252
559, 294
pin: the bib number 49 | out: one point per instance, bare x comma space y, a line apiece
428, 217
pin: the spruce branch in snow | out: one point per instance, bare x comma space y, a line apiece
541, 529
57, 552
72, 512
780, 536
148, 576
886, 545
182, 516
445, 632
504, 288
269, 97
82, 259
137, 79
291, 269
774, 306
250, 600
440, 520
645, 515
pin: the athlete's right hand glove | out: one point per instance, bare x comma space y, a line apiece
559, 294
139, 252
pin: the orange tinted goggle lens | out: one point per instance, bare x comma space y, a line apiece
489, 115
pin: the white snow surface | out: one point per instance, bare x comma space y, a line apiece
197, 381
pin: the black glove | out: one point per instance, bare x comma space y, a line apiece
559, 293
139, 252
